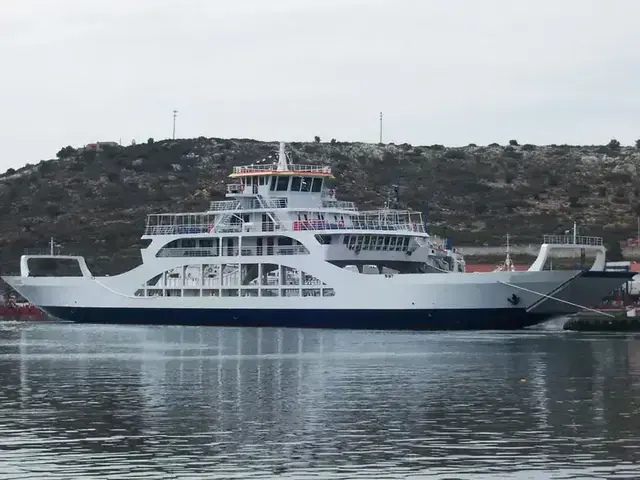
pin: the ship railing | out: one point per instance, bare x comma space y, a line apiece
253, 251
176, 229
57, 251
340, 205
355, 225
245, 251
188, 252
268, 203
249, 169
571, 240
178, 223
270, 226
222, 205
390, 216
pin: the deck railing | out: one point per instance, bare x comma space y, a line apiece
222, 205
57, 251
570, 240
297, 168
302, 225
339, 204
245, 251
268, 203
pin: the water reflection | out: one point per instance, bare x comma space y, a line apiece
271, 403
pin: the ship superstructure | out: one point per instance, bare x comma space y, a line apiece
283, 250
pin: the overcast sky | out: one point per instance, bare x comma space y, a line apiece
442, 71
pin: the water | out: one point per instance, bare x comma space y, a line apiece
213, 403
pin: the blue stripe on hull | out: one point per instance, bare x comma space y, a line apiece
454, 319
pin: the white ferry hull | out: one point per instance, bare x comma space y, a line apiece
417, 302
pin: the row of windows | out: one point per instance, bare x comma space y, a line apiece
298, 184
237, 292
377, 242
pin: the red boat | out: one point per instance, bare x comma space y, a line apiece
10, 309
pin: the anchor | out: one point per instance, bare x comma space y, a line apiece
514, 299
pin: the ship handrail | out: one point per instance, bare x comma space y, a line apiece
292, 168
244, 250
569, 240
295, 225
222, 205
340, 205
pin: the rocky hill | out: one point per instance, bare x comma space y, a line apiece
95, 202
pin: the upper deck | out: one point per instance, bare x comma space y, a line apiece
282, 197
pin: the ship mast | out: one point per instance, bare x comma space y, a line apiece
507, 262
282, 159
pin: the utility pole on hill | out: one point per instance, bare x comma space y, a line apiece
175, 113
380, 127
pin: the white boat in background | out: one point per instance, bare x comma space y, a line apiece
283, 251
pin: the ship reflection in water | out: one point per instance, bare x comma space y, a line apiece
205, 403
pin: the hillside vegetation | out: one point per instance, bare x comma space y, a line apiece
95, 203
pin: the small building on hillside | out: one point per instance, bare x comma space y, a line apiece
99, 146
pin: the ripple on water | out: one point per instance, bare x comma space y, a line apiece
81, 401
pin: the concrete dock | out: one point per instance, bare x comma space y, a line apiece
597, 322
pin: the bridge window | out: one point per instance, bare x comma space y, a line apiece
295, 184
283, 184
317, 185
306, 184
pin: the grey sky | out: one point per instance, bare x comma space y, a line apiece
443, 71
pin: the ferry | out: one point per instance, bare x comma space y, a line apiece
281, 250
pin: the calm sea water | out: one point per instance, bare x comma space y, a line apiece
209, 403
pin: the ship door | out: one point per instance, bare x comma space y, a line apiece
270, 243
259, 245
230, 245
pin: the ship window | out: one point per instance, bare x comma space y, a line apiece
306, 184
295, 184
345, 240
263, 180
283, 184
274, 181
317, 185
325, 239
406, 242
